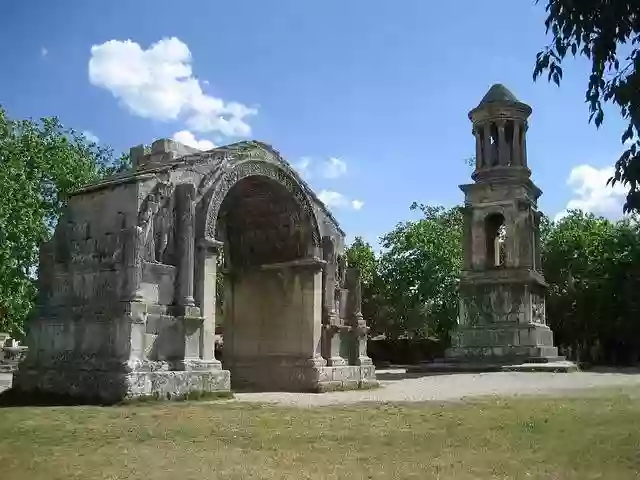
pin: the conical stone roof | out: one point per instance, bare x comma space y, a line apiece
498, 93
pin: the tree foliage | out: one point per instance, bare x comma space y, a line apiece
593, 269
415, 286
599, 30
592, 266
40, 163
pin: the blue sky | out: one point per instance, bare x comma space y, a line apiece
368, 99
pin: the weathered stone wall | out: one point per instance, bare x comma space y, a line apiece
126, 302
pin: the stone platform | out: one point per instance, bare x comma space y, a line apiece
304, 376
556, 365
112, 386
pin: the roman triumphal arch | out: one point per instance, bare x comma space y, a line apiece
127, 301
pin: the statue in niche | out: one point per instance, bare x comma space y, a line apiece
163, 233
156, 220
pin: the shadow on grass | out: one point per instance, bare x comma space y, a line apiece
390, 376
631, 370
12, 398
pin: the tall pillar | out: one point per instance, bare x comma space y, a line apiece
132, 243
503, 150
479, 152
523, 147
358, 325
185, 245
516, 149
488, 147
331, 324
205, 294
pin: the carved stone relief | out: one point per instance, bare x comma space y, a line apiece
156, 218
538, 309
258, 168
488, 304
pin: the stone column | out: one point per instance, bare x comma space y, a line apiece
503, 151
207, 253
358, 325
185, 243
516, 158
312, 308
487, 154
523, 147
479, 152
330, 343
132, 243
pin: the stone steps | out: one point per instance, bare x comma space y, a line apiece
8, 367
536, 364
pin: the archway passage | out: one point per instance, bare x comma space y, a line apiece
261, 223
272, 285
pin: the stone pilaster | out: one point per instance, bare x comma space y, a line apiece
205, 294
132, 243
537, 253
331, 323
479, 152
358, 324
185, 244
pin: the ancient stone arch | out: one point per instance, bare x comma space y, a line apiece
127, 285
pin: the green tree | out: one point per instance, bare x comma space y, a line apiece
593, 269
600, 30
40, 163
360, 254
419, 269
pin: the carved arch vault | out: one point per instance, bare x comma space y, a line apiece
268, 170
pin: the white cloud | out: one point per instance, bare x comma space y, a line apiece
44, 52
357, 204
334, 168
331, 168
187, 138
90, 136
159, 83
303, 167
592, 194
334, 199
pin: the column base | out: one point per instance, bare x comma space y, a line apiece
292, 374
118, 382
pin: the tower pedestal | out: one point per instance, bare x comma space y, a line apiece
502, 318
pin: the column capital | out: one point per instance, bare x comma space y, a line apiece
211, 244
501, 122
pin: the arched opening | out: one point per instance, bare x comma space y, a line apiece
269, 307
495, 237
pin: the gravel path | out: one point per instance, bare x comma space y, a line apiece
398, 386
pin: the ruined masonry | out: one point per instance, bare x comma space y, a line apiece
502, 289
127, 285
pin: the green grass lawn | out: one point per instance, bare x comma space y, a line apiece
595, 437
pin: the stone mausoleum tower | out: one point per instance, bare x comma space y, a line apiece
502, 288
